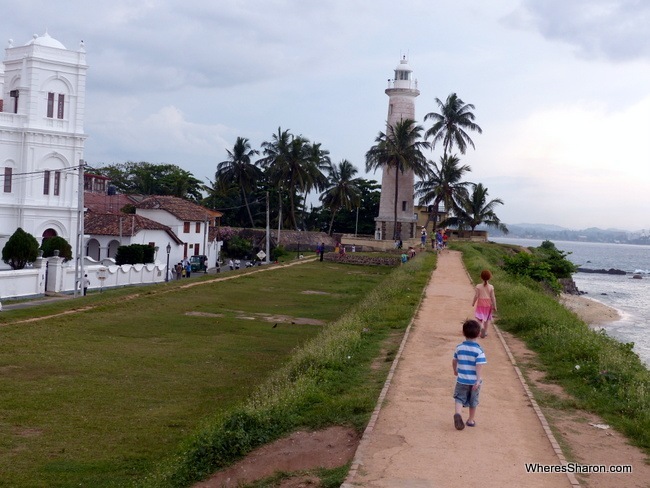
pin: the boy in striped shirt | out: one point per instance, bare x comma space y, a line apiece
468, 362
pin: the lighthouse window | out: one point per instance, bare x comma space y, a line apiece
50, 105
404, 206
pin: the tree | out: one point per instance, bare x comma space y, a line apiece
399, 150
152, 179
443, 185
56, 243
291, 167
20, 249
450, 124
475, 210
239, 168
342, 191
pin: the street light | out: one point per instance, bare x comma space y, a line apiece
169, 249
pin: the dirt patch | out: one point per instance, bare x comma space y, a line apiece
314, 292
328, 448
276, 319
577, 430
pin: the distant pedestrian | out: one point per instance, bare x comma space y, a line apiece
231, 264
445, 238
237, 263
439, 240
86, 284
205, 265
218, 266
423, 238
404, 258
354, 248
179, 271
468, 362
321, 250
485, 301
188, 270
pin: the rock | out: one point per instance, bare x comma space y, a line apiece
611, 271
637, 277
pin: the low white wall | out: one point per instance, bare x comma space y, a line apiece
22, 282
60, 277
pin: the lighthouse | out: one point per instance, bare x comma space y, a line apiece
401, 91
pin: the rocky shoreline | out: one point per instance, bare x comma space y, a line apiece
610, 271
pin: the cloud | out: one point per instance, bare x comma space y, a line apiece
612, 29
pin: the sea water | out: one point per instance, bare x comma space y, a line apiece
630, 296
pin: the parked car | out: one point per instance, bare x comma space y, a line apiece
198, 263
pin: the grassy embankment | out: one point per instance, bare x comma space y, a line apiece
603, 375
98, 397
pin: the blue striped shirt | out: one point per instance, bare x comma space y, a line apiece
468, 354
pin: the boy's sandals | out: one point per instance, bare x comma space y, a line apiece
483, 333
471, 423
458, 422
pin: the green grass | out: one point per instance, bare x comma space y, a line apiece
99, 397
604, 376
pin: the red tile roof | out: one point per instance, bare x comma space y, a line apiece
181, 209
108, 224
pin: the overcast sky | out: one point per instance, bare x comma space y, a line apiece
561, 87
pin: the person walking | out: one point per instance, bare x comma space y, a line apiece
86, 284
485, 301
468, 362
321, 250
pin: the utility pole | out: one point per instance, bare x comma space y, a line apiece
79, 263
268, 230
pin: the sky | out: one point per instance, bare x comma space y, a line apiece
561, 88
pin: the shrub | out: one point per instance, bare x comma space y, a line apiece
237, 247
21, 248
56, 243
278, 252
134, 254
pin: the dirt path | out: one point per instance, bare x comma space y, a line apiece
413, 443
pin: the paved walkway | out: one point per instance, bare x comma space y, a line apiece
411, 441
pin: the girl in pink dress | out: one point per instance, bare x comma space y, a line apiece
485, 302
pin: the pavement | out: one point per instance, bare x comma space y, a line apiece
411, 441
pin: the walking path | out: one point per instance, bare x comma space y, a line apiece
411, 441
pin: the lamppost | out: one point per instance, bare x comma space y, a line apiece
169, 249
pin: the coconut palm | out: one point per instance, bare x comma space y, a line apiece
399, 150
450, 124
475, 210
343, 190
240, 168
291, 167
443, 185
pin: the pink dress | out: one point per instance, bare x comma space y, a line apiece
483, 310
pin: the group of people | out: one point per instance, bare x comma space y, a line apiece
439, 240
183, 269
469, 357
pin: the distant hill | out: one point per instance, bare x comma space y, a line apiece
556, 232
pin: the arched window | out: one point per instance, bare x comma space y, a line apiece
49, 233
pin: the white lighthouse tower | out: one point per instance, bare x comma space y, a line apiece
402, 91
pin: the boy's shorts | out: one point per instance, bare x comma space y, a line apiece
466, 396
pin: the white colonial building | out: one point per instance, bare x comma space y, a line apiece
42, 89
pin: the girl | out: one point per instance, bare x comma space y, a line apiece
485, 301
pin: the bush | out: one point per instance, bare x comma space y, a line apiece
278, 252
544, 264
135, 254
56, 243
237, 247
21, 248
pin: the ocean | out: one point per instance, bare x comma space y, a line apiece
631, 297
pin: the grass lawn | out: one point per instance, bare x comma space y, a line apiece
96, 398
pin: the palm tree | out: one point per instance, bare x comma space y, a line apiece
240, 168
343, 190
450, 124
399, 150
444, 185
475, 210
290, 166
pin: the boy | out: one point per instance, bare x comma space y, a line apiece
468, 362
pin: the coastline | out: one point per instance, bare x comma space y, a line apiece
591, 311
